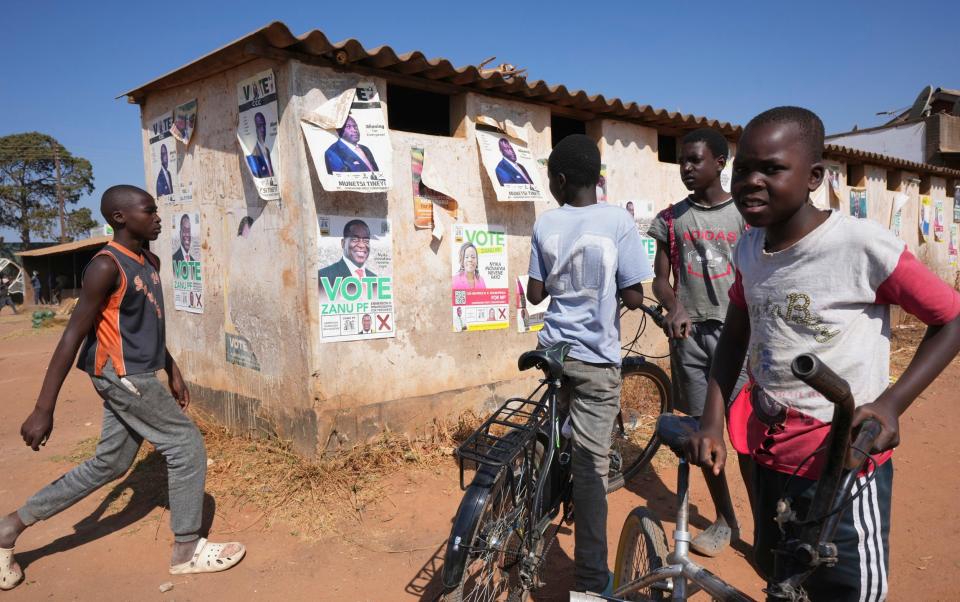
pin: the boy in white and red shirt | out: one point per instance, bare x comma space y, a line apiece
812, 281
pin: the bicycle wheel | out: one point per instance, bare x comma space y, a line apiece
644, 395
642, 548
481, 563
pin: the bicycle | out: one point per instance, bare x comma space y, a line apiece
645, 394
644, 569
500, 533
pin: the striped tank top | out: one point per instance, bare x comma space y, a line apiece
129, 330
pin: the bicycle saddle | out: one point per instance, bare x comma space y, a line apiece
549, 359
673, 431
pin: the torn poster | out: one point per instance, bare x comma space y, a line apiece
529, 317
355, 278
163, 155
926, 216
480, 293
257, 132
643, 213
858, 202
424, 197
939, 220
896, 213
349, 142
509, 164
187, 273
954, 241
956, 203
240, 352
184, 122
602, 185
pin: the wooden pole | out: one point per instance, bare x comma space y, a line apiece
56, 164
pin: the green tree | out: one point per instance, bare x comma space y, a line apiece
79, 222
28, 184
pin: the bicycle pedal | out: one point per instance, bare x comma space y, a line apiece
564, 458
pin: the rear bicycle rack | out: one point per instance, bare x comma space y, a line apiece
498, 440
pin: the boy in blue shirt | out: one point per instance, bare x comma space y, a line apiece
585, 255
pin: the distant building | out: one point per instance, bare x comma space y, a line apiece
928, 132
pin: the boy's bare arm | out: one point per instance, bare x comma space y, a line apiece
938, 347
536, 291
707, 447
177, 385
632, 296
99, 281
677, 320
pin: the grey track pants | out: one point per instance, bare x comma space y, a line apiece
129, 417
592, 394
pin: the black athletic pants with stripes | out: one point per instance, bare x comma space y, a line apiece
861, 539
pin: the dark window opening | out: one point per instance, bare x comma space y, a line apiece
418, 111
924, 185
561, 127
894, 178
667, 149
856, 175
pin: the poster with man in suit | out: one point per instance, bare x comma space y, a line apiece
186, 264
510, 165
348, 140
163, 158
355, 278
257, 132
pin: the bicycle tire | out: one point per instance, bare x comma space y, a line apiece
642, 548
645, 393
481, 518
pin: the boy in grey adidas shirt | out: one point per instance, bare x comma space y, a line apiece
584, 255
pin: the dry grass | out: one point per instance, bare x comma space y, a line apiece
906, 334
314, 497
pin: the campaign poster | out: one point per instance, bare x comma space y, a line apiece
643, 213
939, 220
424, 197
240, 352
858, 202
529, 316
926, 211
726, 176
833, 184
163, 159
355, 278
481, 295
184, 121
187, 272
956, 204
954, 241
511, 167
257, 132
602, 185
349, 142
896, 213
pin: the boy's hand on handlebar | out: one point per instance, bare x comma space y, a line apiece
708, 449
678, 323
889, 420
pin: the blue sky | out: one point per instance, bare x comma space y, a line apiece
66, 61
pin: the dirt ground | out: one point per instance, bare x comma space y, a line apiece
116, 542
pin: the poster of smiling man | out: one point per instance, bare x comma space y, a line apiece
355, 278
163, 159
187, 277
348, 141
257, 132
510, 165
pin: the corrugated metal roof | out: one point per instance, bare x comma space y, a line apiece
276, 41
77, 245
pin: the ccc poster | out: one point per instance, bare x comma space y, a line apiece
163, 159
257, 132
480, 287
355, 278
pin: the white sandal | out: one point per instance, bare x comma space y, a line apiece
10, 573
206, 559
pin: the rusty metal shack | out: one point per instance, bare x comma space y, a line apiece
260, 289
